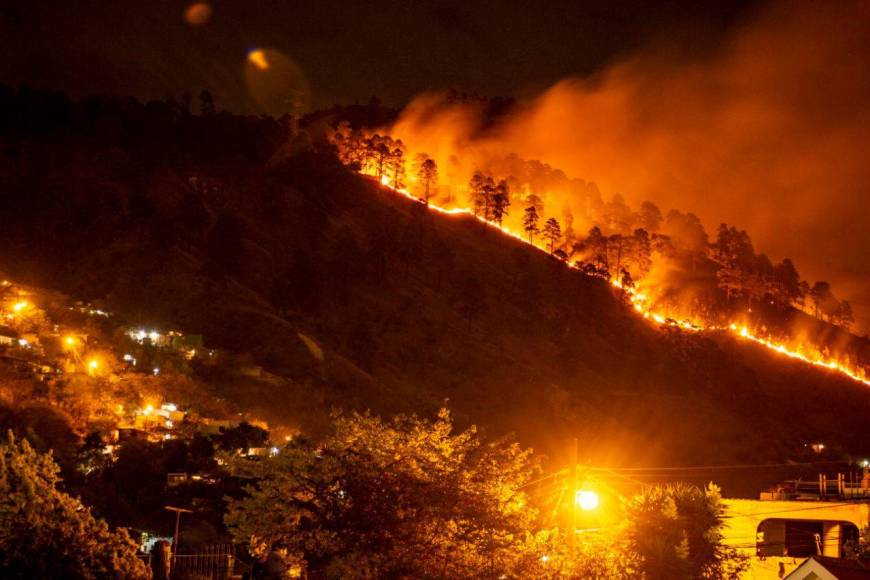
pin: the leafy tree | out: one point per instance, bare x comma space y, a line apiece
675, 532
552, 233
428, 176
407, 498
858, 549
45, 533
530, 222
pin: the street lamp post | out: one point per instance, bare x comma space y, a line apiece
178, 511
574, 485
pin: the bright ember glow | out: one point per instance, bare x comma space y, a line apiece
19, 306
641, 304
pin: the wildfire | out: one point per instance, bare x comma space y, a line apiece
641, 304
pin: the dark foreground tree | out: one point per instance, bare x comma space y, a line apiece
674, 532
45, 533
408, 498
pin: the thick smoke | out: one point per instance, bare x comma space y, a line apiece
770, 133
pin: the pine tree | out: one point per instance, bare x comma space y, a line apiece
530, 222
428, 176
552, 233
500, 201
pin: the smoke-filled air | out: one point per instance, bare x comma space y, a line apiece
767, 134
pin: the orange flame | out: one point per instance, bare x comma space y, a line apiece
641, 304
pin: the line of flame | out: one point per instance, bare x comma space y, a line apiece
640, 303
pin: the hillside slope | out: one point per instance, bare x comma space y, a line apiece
359, 298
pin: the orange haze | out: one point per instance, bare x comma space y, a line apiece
770, 133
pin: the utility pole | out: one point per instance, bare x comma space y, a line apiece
178, 511
574, 484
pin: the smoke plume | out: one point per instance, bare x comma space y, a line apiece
769, 133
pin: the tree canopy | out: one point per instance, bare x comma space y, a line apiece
675, 532
404, 498
45, 533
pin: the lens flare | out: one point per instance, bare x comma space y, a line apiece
197, 13
258, 59
276, 83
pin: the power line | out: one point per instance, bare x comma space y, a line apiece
711, 467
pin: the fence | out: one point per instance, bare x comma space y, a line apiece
212, 566
216, 562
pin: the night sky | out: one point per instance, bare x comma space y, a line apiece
348, 51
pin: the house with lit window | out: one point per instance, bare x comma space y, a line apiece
8, 336
781, 529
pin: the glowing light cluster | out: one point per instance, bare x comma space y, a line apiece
641, 304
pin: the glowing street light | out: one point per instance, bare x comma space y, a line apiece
586, 500
93, 366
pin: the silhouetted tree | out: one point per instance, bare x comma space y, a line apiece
396, 162
618, 217
552, 233
530, 222
428, 176
501, 200
479, 197
650, 216
640, 253
788, 282
734, 255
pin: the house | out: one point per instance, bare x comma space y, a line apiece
8, 336
777, 535
824, 568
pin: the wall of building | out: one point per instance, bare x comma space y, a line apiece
743, 516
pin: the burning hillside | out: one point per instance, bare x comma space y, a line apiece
670, 273
337, 292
